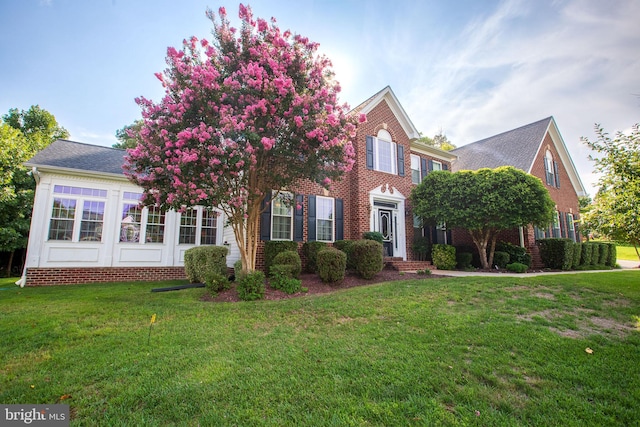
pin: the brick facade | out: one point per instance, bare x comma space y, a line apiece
69, 276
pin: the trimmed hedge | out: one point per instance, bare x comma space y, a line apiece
517, 267
604, 253
501, 259
444, 257
516, 253
463, 260
289, 258
556, 253
577, 253
273, 248
310, 251
251, 287
373, 235
613, 254
203, 261
346, 246
587, 253
332, 264
595, 255
367, 257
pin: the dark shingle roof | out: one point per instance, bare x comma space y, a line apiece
78, 156
517, 147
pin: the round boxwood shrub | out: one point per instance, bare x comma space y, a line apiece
501, 259
346, 246
367, 256
289, 258
273, 248
332, 264
373, 235
517, 267
463, 260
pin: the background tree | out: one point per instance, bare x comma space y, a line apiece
440, 141
252, 112
126, 135
22, 134
615, 212
484, 202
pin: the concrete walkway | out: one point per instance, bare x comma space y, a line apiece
626, 266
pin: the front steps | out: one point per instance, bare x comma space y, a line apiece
400, 265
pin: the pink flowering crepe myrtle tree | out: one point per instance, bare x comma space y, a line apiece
254, 111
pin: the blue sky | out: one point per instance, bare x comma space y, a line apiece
470, 68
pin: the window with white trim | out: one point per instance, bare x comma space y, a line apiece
324, 219
140, 224
549, 168
416, 174
436, 166
198, 226
556, 225
385, 153
69, 222
571, 227
282, 217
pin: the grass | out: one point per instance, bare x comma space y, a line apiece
626, 252
459, 351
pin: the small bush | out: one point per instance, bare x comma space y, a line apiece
373, 235
587, 253
463, 260
282, 277
516, 253
216, 282
577, 253
273, 248
237, 269
501, 259
251, 286
517, 267
310, 251
332, 264
556, 253
426, 272
346, 246
290, 258
367, 256
444, 257
421, 249
201, 261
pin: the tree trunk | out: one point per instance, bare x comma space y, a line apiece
11, 262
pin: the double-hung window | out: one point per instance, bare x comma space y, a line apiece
436, 166
324, 219
198, 226
77, 214
556, 225
138, 223
416, 173
384, 155
282, 217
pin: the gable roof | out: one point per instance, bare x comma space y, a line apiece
76, 156
387, 95
518, 148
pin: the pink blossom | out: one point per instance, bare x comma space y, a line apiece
267, 143
298, 121
362, 118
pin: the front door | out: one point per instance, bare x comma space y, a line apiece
385, 221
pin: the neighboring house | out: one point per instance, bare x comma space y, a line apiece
87, 225
538, 149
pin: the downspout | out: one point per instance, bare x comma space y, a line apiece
23, 279
521, 230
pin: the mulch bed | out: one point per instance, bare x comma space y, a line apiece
316, 286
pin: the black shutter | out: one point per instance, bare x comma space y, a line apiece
339, 219
311, 219
298, 218
369, 153
546, 172
265, 218
423, 167
430, 166
556, 174
400, 159
445, 167
564, 232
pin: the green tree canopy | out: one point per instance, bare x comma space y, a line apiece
484, 202
22, 134
616, 208
127, 135
438, 141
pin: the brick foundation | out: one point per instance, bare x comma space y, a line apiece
69, 276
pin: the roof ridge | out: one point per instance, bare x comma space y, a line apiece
363, 104
520, 128
88, 145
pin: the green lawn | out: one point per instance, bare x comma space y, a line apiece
626, 252
459, 351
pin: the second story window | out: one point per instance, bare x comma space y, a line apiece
416, 174
384, 155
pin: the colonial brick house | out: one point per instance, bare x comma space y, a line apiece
87, 225
538, 149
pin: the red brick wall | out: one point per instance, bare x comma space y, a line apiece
68, 276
